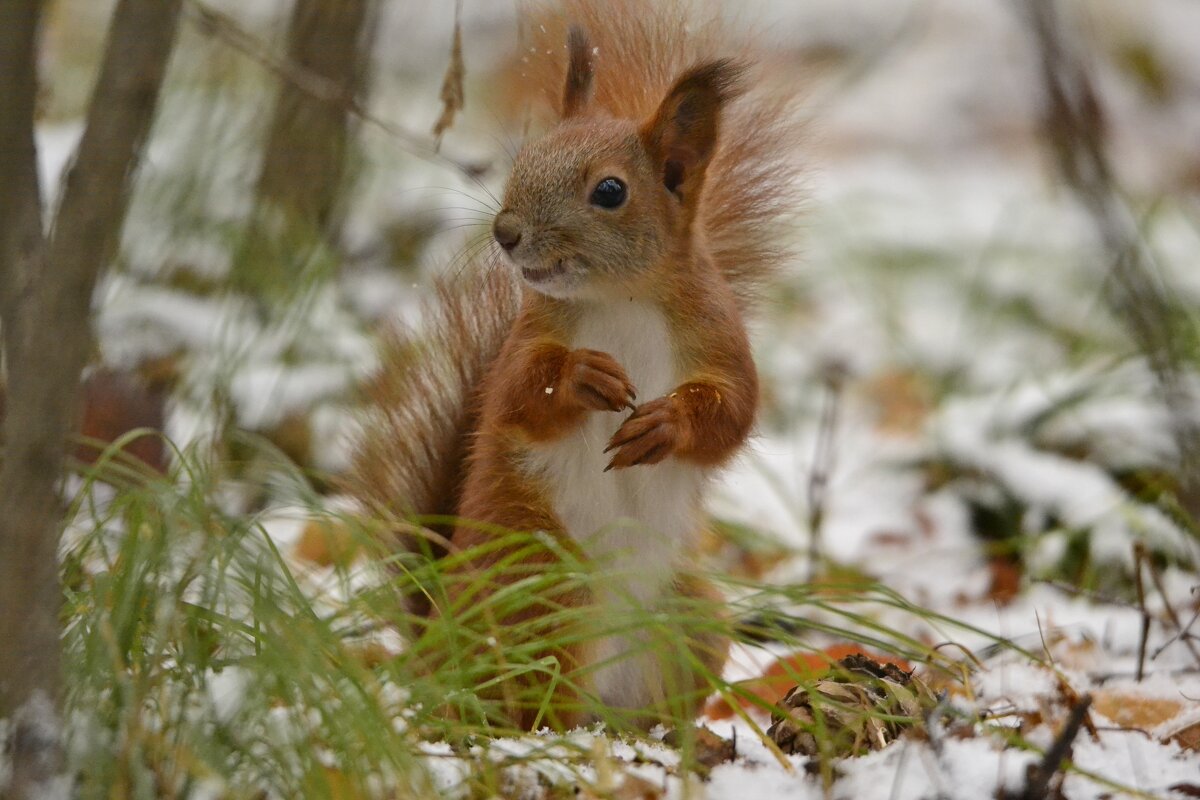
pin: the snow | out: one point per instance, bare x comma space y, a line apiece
39, 719
971, 769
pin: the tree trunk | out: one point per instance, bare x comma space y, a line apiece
306, 147
304, 154
46, 287
29, 595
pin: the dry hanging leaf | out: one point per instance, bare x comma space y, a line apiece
452, 85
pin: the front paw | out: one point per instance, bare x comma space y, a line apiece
650, 434
596, 381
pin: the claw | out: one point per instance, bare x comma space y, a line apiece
648, 457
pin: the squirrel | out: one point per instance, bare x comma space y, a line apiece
590, 382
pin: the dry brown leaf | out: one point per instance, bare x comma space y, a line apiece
1187, 737
1132, 710
1005, 583
452, 95
902, 400
332, 783
709, 749
785, 672
294, 438
326, 543
370, 653
631, 787
115, 403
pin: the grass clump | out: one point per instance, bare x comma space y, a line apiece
203, 661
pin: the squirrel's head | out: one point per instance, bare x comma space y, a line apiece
598, 204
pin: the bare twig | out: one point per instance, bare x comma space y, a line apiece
823, 464
1079, 591
1074, 126
1139, 555
1176, 622
219, 25
1186, 633
1037, 785
30, 679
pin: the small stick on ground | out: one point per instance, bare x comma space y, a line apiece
823, 457
1139, 555
1037, 784
1171, 613
1186, 633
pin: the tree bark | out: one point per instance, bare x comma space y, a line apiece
46, 288
29, 594
305, 152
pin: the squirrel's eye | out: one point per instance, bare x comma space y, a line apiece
609, 193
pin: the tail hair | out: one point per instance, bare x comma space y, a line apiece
639, 49
422, 404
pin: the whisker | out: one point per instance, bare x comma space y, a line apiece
466, 255
491, 207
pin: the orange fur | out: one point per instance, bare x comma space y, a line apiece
411, 449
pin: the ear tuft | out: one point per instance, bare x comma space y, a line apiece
682, 135
578, 90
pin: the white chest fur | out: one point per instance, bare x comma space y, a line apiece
634, 521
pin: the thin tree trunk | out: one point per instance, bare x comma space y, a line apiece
46, 291
29, 594
304, 153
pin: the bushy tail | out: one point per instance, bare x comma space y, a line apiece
421, 404
640, 47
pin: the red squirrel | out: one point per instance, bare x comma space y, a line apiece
595, 401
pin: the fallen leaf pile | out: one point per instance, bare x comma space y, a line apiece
861, 706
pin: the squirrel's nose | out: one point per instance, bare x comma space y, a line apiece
507, 232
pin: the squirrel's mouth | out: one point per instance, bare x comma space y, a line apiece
540, 275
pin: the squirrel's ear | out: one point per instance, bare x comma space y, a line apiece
578, 90
682, 134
